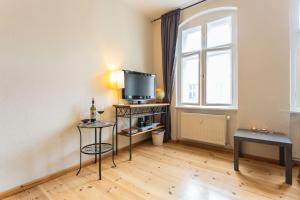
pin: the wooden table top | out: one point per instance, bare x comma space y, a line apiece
141, 105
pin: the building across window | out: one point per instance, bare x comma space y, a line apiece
207, 61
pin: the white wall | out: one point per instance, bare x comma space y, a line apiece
263, 67
54, 56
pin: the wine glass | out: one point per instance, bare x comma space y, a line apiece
100, 111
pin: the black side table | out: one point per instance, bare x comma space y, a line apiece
97, 148
281, 140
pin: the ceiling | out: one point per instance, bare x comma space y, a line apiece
155, 8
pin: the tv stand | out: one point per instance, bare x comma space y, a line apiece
131, 111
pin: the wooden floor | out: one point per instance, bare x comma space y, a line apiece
173, 171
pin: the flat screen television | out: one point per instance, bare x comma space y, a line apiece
139, 86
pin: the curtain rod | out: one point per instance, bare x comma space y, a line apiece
181, 9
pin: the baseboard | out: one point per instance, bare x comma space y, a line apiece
205, 146
297, 162
55, 175
41, 180
229, 150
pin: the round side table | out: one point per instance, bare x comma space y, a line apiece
97, 148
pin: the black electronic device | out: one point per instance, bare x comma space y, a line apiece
139, 86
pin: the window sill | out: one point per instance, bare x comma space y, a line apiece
295, 111
224, 108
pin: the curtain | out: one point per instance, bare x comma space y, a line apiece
169, 32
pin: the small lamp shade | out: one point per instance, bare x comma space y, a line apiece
117, 79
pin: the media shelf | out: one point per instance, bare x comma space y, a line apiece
141, 115
140, 110
131, 111
141, 132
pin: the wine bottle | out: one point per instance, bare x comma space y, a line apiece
93, 111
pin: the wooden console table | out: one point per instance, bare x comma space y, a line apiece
131, 111
284, 143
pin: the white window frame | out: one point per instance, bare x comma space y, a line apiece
202, 20
184, 55
294, 58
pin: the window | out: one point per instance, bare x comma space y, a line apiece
206, 61
218, 77
190, 79
219, 32
295, 56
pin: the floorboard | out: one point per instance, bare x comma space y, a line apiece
171, 171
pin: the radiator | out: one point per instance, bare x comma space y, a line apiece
203, 127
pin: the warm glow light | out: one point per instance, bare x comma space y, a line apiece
117, 79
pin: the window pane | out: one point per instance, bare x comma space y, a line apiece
297, 73
191, 39
190, 79
219, 32
219, 77
298, 16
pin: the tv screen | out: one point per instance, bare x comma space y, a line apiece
139, 86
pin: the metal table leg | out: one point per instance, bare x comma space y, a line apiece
281, 156
130, 138
236, 154
167, 127
113, 146
289, 164
79, 152
116, 131
95, 144
100, 157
